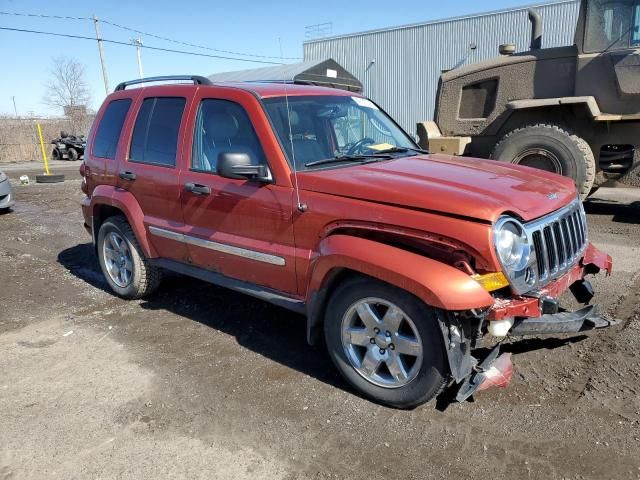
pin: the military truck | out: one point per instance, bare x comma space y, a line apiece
571, 110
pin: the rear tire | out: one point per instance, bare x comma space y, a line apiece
124, 266
403, 365
551, 148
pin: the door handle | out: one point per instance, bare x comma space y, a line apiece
127, 176
197, 189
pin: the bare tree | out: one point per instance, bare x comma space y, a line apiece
68, 89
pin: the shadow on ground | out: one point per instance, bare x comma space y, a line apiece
621, 212
263, 328
270, 331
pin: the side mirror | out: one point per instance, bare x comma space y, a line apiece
238, 166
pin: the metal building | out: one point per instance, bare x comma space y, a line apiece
399, 67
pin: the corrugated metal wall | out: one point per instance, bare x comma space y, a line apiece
400, 66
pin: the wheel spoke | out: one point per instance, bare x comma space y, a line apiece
371, 362
392, 319
368, 315
396, 367
115, 270
109, 253
128, 265
406, 345
357, 336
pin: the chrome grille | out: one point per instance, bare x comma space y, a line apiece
558, 240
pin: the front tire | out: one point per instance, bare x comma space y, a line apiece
123, 264
386, 343
72, 154
550, 148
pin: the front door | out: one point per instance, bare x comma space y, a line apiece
239, 228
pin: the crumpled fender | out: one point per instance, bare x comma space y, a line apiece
435, 283
127, 203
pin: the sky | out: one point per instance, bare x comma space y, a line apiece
250, 27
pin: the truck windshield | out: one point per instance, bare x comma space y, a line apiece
612, 25
334, 128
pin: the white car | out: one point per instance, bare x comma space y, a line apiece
7, 197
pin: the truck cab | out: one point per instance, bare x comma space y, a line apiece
572, 110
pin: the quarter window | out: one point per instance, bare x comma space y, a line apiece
106, 142
223, 127
155, 135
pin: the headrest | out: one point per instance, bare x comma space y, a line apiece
301, 123
220, 125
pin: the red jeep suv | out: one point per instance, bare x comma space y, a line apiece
314, 199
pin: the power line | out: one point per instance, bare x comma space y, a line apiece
166, 39
196, 45
161, 49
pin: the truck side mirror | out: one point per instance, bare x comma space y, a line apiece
238, 166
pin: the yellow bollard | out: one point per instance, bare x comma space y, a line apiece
44, 153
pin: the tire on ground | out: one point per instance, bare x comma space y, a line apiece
49, 178
573, 153
433, 374
55, 155
72, 154
145, 277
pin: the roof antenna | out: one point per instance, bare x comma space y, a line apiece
302, 207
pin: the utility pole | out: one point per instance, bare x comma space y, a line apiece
15, 110
138, 44
105, 76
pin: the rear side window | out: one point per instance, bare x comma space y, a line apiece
106, 141
155, 135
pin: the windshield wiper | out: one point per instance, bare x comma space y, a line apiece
349, 158
402, 150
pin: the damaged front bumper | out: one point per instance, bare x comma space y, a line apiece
537, 313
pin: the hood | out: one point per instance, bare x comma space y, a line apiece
460, 186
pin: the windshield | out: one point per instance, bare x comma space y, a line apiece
612, 25
330, 127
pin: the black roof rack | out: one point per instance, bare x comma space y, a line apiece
196, 79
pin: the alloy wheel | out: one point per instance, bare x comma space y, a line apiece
381, 342
118, 259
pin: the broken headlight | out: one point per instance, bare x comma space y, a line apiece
515, 253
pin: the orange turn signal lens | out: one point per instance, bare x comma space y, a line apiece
491, 281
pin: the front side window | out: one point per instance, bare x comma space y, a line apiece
155, 134
612, 25
315, 128
223, 127
108, 134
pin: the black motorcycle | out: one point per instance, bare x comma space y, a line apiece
68, 147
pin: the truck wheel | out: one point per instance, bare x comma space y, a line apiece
386, 343
550, 148
72, 154
122, 261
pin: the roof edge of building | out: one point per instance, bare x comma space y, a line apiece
439, 21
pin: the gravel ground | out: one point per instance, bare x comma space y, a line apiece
201, 382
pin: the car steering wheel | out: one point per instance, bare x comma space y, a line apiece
357, 146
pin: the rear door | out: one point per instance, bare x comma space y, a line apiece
150, 168
240, 228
